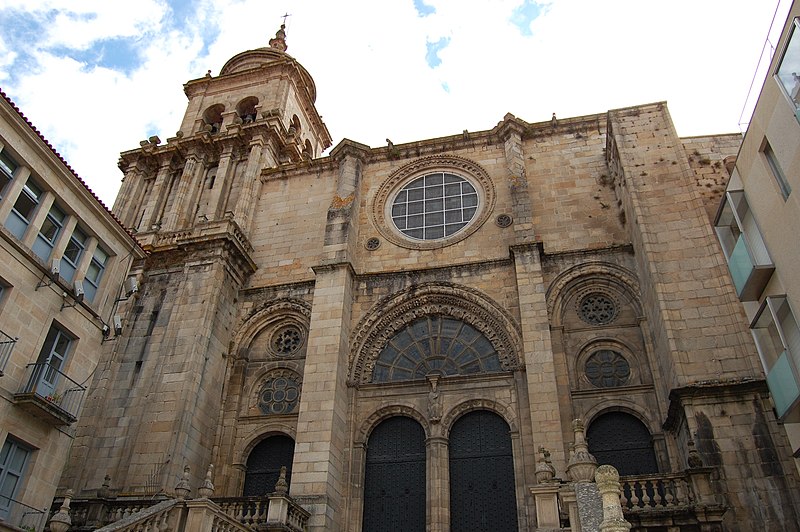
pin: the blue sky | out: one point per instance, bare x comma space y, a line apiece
96, 76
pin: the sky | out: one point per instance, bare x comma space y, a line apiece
98, 76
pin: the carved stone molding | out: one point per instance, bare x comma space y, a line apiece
595, 276
270, 313
506, 412
386, 412
391, 314
434, 163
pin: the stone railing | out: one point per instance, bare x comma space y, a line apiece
223, 514
162, 516
641, 493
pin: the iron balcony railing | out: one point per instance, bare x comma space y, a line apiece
6, 346
53, 391
22, 516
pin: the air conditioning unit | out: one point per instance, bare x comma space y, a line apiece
117, 325
77, 289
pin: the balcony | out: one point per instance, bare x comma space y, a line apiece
748, 259
671, 499
14, 513
748, 278
50, 395
6, 346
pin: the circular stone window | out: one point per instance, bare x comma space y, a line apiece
286, 340
434, 206
607, 368
433, 202
597, 309
279, 395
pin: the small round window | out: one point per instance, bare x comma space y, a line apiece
434, 206
606, 368
287, 340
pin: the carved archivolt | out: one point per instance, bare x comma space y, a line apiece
271, 313
393, 313
459, 410
434, 163
386, 412
601, 277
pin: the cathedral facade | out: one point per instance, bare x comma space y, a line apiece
408, 329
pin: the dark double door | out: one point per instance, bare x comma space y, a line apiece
482, 492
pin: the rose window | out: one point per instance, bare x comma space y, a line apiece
597, 309
607, 368
287, 340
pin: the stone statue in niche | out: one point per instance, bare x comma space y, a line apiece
434, 400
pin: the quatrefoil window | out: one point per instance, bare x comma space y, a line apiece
279, 395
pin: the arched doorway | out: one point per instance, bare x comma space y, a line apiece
482, 492
394, 484
621, 440
264, 465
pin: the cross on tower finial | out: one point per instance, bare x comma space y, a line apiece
285, 16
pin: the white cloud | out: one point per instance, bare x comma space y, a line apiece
368, 61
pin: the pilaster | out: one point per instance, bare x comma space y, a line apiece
540, 369
318, 471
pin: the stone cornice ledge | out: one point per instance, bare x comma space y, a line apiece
710, 388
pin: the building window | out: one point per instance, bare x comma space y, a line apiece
597, 309
434, 206
7, 168
73, 254
435, 344
48, 233
777, 171
748, 259
788, 73
607, 368
13, 459
279, 394
51, 361
95, 273
22, 213
777, 338
287, 340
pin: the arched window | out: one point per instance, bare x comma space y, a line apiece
621, 440
247, 109
435, 344
482, 493
394, 484
264, 465
213, 118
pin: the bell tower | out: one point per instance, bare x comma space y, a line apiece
156, 396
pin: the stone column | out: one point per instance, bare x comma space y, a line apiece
246, 201
318, 472
131, 195
544, 404
157, 199
220, 184
438, 483
172, 218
